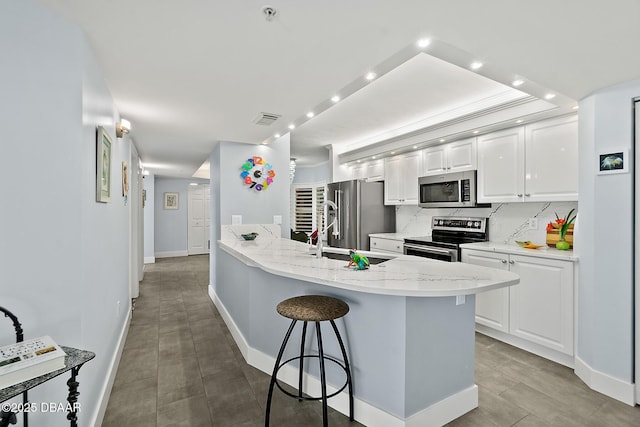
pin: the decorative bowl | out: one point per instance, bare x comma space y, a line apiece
250, 236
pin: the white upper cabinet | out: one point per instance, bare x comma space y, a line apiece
401, 179
454, 157
371, 170
551, 160
532, 163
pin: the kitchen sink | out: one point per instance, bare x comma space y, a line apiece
373, 260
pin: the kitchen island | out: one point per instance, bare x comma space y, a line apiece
409, 332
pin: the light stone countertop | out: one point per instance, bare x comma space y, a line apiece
403, 275
543, 252
398, 236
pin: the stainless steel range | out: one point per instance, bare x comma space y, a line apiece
447, 234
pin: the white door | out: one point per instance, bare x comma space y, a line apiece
541, 306
492, 307
501, 166
434, 160
462, 155
637, 252
198, 211
551, 167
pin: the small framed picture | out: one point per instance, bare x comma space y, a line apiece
613, 161
103, 166
171, 200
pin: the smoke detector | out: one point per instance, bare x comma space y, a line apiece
269, 12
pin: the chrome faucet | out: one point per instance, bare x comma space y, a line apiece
322, 232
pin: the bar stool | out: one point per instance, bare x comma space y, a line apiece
312, 308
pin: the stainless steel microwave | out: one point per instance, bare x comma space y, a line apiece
448, 190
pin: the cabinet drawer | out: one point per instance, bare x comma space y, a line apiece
387, 245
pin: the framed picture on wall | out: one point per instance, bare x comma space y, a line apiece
613, 161
103, 166
171, 200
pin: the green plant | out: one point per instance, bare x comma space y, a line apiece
565, 223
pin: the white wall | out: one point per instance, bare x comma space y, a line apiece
313, 174
605, 302
63, 257
171, 225
230, 196
149, 220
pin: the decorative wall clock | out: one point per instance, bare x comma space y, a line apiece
257, 173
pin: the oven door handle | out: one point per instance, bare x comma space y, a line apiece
429, 249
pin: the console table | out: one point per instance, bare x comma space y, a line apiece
73, 361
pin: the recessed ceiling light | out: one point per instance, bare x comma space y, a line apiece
370, 76
359, 161
373, 157
575, 107
550, 96
335, 98
393, 152
442, 140
476, 65
415, 146
476, 131
310, 114
292, 126
422, 43
519, 121
517, 82
277, 135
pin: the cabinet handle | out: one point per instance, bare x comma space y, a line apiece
527, 194
512, 262
504, 261
519, 195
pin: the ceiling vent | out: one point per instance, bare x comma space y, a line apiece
266, 119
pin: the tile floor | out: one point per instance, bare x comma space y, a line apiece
181, 367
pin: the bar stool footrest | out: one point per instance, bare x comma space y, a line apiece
316, 356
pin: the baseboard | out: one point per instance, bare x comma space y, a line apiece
537, 349
171, 254
98, 416
446, 410
231, 325
149, 260
605, 384
437, 414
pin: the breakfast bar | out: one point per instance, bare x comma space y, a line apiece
409, 332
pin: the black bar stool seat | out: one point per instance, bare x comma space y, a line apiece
312, 308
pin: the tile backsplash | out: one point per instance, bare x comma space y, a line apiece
507, 221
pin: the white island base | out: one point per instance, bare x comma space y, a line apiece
412, 357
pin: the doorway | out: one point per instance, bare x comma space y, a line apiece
198, 237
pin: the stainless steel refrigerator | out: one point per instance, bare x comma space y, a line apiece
360, 211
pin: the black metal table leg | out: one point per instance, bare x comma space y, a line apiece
73, 384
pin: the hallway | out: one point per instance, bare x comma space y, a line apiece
181, 367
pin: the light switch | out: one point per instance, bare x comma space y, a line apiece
277, 219
236, 219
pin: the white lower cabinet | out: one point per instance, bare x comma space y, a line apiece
379, 244
539, 310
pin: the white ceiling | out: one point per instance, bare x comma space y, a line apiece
189, 73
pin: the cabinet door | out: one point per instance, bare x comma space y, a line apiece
410, 169
492, 307
501, 166
386, 245
541, 306
358, 171
462, 155
434, 160
551, 160
401, 179
375, 170
392, 180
